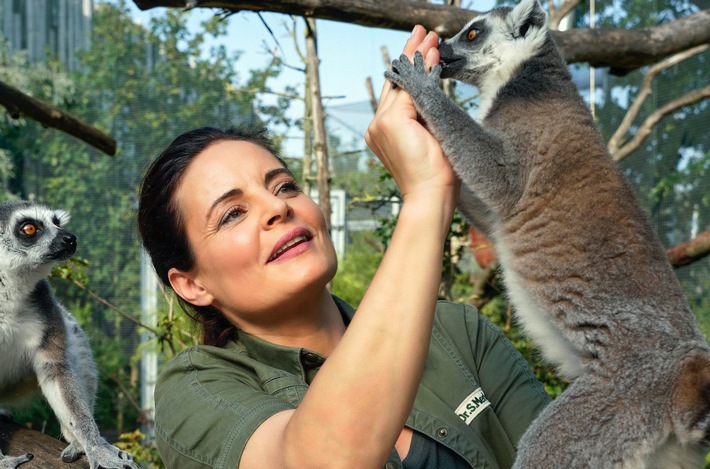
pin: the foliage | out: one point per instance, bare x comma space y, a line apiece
143, 85
357, 268
142, 448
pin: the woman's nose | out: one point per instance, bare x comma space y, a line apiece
278, 210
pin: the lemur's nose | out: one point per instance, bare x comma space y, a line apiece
69, 239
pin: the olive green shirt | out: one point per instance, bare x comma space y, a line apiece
477, 395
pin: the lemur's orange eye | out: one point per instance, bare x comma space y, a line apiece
472, 34
29, 229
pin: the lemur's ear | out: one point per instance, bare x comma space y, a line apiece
61, 217
527, 14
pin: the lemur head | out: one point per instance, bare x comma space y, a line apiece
31, 239
491, 47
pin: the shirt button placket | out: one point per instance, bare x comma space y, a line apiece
392, 465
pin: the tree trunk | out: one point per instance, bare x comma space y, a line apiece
320, 146
16, 440
308, 138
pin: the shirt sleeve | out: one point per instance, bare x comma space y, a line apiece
516, 395
206, 410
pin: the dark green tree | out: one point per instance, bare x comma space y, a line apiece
142, 84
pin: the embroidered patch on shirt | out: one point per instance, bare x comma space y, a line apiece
472, 406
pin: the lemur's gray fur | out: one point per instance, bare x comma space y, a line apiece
588, 278
42, 346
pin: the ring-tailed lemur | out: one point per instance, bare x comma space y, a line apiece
588, 278
41, 344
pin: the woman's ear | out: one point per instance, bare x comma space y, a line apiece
189, 288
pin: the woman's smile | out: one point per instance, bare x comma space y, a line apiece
291, 244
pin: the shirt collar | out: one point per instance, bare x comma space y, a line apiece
299, 361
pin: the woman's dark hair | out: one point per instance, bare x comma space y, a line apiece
160, 223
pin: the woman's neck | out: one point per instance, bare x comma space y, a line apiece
315, 324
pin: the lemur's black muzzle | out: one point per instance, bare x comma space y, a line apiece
63, 246
445, 51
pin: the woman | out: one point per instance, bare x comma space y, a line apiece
405, 378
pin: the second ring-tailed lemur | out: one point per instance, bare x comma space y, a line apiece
42, 346
589, 280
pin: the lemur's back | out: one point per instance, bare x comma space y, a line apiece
588, 278
575, 235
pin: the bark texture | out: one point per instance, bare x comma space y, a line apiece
16, 440
619, 49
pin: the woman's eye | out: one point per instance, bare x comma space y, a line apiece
289, 187
232, 214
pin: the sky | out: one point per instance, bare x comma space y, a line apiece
348, 53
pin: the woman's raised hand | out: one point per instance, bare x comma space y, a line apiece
402, 142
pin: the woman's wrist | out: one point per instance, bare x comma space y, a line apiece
431, 208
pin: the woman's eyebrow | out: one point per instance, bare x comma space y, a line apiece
218, 200
268, 177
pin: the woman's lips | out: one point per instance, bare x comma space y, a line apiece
291, 244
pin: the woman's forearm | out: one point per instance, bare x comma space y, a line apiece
358, 403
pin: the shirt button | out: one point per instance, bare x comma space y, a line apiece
391, 465
310, 359
442, 432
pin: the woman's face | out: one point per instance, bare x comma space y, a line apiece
258, 241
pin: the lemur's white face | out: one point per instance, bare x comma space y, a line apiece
31, 237
491, 47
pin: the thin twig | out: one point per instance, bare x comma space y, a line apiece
645, 90
113, 308
645, 128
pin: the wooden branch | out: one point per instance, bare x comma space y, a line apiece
645, 91
690, 251
16, 440
16, 102
619, 49
645, 129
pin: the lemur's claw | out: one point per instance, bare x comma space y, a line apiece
108, 456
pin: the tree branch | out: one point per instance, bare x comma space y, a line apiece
645, 129
619, 49
17, 102
645, 90
558, 14
690, 251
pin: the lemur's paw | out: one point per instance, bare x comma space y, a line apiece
413, 77
12, 462
106, 456
71, 453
